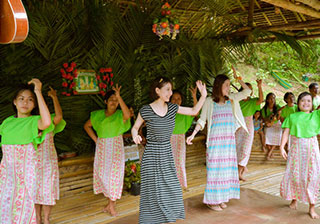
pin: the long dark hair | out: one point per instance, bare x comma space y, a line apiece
21, 88
274, 109
178, 92
158, 83
286, 95
303, 95
217, 88
247, 83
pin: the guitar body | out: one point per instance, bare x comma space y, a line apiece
14, 26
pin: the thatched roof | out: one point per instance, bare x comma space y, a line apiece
297, 18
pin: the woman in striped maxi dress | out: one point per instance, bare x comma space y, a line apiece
108, 170
178, 139
161, 195
224, 116
18, 165
301, 180
244, 139
47, 164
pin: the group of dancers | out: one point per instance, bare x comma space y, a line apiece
29, 175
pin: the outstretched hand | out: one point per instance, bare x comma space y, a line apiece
193, 91
52, 93
259, 82
117, 89
234, 72
202, 88
37, 84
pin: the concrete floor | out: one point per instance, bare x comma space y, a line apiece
254, 207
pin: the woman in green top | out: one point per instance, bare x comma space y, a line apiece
301, 180
109, 125
271, 115
18, 165
244, 139
47, 165
289, 108
178, 142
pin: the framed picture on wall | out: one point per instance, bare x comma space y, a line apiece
86, 82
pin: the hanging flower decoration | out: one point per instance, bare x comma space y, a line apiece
166, 25
105, 80
69, 73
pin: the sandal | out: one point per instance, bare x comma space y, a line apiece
216, 208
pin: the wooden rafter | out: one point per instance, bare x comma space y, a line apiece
295, 8
250, 13
312, 3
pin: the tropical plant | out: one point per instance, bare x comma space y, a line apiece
131, 174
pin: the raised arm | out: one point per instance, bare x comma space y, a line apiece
284, 140
45, 119
260, 100
135, 129
196, 108
123, 106
88, 128
57, 108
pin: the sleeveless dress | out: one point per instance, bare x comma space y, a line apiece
161, 195
222, 167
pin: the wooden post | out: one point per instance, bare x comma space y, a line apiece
250, 13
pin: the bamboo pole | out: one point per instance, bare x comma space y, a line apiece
250, 13
293, 7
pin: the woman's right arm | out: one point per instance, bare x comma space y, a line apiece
88, 128
135, 129
284, 140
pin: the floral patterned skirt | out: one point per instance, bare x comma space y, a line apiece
47, 173
109, 162
178, 144
18, 184
301, 180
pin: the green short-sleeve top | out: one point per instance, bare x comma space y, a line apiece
316, 102
182, 124
52, 128
303, 125
19, 131
111, 126
269, 112
249, 107
286, 111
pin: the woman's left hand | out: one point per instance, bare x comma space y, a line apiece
193, 91
202, 88
117, 90
52, 93
234, 72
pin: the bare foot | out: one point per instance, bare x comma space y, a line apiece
216, 208
38, 220
46, 221
313, 213
223, 205
293, 204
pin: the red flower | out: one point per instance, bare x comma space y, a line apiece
62, 71
75, 71
75, 92
71, 87
98, 77
133, 168
73, 84
64, 75
71, 77
111, 75
65, 65
104, 85
64, 84
101, 70
101, 85
64, 93
73, 64
68, 94
104, 77
108, 70
111, 83
102, 92
108, 79
69, 69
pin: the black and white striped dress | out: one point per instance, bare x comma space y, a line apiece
161, 195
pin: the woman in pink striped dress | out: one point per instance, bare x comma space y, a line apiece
223, 114
47, 164
18, 165
105, 127
244, 139
178, 139
301, 180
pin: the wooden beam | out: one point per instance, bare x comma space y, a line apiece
295, 8
312, 3
250, 13
306, 37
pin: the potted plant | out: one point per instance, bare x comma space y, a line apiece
132, 177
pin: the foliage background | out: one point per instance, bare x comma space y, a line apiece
98, 34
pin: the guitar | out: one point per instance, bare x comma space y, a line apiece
14, 26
